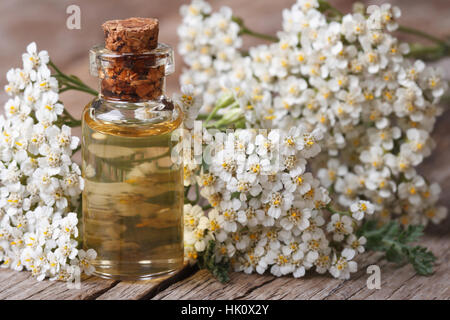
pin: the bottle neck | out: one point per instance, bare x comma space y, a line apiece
138, 91
135, 113
132, 77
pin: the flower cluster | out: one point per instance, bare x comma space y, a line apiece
196, 234
40, 186
268, 212
210, 45
344, 82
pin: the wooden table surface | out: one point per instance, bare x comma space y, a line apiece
190, 283
69, 51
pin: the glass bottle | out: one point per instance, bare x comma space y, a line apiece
133, 194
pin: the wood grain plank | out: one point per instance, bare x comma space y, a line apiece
202, 286
129, 290
21, 285
137, 290
9, 280
396, 283
437, 286
404, 283
312, 286
357, 280
254, 286
90, 288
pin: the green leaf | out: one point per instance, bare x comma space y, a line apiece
395, 241
393, 254
413, 233
219, 268
422, 260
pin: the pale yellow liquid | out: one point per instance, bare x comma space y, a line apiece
133, 199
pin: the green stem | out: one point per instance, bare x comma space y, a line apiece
248, 31
71, 82
225, 122
77, 88
211, 115
326, 6
419, 51
68, 122
51, 64
333, 211
73, 124
223, 102
422, 34
204, 116
207, 207
442, 48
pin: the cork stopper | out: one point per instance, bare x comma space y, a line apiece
132, 35
132, 65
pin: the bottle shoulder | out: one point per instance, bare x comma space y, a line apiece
132, 119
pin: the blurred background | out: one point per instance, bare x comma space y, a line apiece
44, 21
